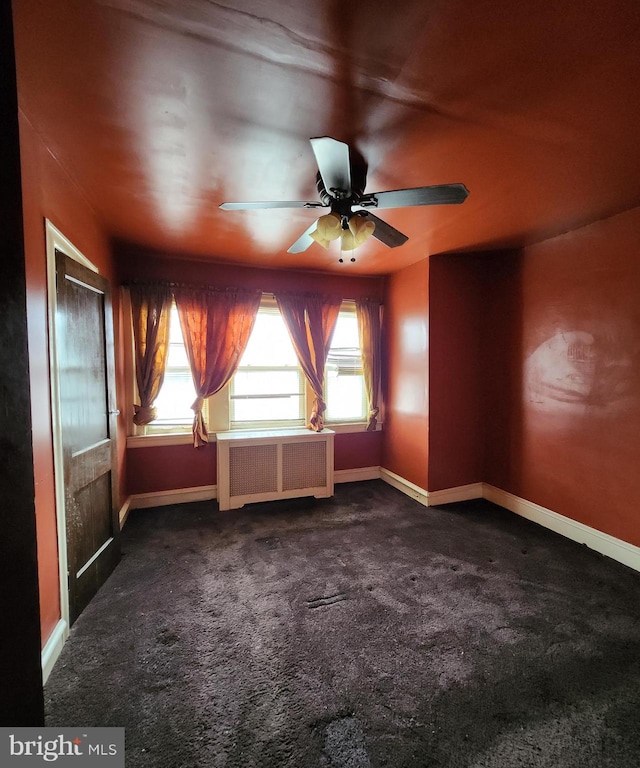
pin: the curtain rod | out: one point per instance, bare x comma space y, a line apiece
271, 294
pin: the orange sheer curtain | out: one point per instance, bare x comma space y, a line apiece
370, 332
310, 320
216, 325
150, 307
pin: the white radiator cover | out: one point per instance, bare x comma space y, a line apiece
273, 464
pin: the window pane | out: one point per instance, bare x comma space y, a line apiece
269, 343
346, 331
267, 409
344, 380
177, 392
344, 396
248, 382
176, 397
269, 366
177, 355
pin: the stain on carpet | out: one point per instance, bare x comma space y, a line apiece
344, 745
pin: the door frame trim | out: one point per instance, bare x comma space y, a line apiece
56, 241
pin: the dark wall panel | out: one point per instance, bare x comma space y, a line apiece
21, 700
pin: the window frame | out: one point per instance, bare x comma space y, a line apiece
268, 306
167, 427
348, 308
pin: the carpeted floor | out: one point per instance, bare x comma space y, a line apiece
363, 630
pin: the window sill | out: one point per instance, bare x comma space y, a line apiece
186, 438
346, 427
171, 438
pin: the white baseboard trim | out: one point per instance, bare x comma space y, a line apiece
431, 498
408, 488
124, 512
616, 549
356, 475
175, 496
607, 545
458, 493
53, 647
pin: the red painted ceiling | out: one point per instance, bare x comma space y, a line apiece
162, 109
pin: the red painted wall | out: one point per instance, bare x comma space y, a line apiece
49, 192
164, 468
456, 370
168, 467
358, 449
406, 341
181, 466
563, 354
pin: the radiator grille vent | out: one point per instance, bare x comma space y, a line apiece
304, 465
265, 465
253, 469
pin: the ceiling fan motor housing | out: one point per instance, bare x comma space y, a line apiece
341, 201
358, 182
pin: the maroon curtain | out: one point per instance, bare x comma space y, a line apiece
370, 331
216, 325
150, 308
310, 320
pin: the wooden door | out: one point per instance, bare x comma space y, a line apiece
84, 350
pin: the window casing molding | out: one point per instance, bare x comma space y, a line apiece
254, 394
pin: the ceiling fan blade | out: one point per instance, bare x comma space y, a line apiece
385, 233
441, 194
304, 241
269, 204
334, 165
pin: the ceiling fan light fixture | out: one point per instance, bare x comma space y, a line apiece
328, 228
360, 230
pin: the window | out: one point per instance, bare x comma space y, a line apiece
177, 393
344, 381
268, 388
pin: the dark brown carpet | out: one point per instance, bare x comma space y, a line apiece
359, 631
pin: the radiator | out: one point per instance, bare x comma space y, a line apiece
273, 464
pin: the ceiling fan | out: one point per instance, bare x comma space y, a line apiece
341, 180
